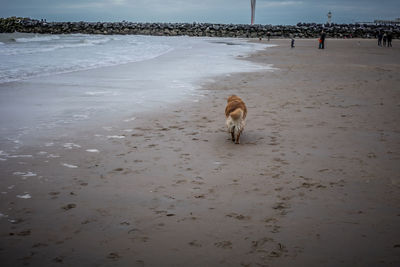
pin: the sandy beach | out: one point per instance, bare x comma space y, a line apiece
314, 182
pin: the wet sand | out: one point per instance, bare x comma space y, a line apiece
314, 182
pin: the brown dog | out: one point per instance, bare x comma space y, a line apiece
235, 113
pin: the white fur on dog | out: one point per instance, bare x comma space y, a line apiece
235, 126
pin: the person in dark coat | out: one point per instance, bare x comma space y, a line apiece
389, 39
384, 39
322, 40
380, 36
268, 35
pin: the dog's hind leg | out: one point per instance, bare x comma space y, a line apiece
233, 134
238, 138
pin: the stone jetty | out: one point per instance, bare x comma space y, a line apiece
301, 30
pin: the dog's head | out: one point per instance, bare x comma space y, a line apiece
233, 98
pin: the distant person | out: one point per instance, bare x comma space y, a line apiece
268, 35
384, 39
292, 43
389, 39
380, 36
322, 40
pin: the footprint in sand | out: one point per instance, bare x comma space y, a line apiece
280, 206
224, 244
54, 195
181, 181
113, 256
38, 245
58, 259
194, 243
24, 233
238, 216
261, 244
69, 206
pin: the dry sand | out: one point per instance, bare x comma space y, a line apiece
314, 182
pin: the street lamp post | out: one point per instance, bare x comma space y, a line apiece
253, 10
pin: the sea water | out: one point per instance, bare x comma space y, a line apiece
49, 81
24, 56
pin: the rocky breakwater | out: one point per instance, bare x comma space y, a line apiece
301, 30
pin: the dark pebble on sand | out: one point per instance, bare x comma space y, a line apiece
69, 206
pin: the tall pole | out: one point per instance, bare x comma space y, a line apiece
253, 10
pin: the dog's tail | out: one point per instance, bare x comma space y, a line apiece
235, 121
236, 114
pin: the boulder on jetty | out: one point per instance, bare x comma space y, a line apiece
301, 30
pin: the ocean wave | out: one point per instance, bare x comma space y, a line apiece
96, 41
43, 49
36, 39
68, 53
78, 63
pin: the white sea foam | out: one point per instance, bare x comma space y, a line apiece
69, 165
25, 174
20, 156
97, 41
130, 119
93, 150
116, 137
71, 146
101, 93
81, 116
37, 38
26, 196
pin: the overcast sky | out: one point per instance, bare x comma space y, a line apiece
213, 11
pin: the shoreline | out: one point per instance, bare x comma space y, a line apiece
314, 181
52, 104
